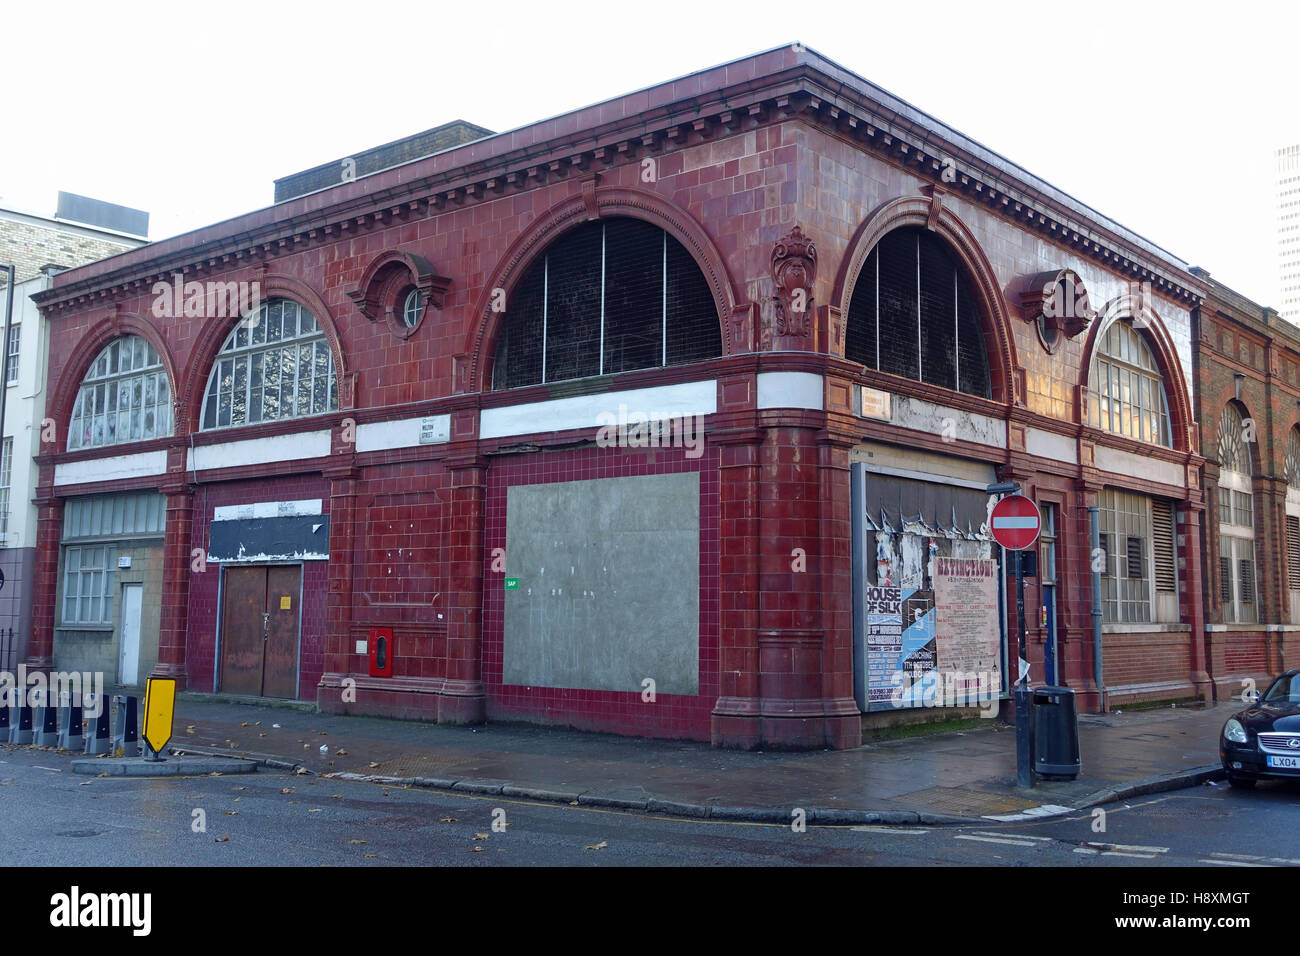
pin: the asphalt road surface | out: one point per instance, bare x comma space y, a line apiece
53, 817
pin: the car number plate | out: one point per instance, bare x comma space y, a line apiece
1288, 763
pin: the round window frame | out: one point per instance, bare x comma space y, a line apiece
408, 322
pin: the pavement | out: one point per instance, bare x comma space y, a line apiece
948, 777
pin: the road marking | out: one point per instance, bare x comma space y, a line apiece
1085, 849
50, 769
1115, 847
984, 839
1139, 856
868, 829
1033, 813
1231, 863
1259, 859
1017, 836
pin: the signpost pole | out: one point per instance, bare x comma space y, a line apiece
1024, 714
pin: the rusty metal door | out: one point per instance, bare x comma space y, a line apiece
242, 627
280, 673
259, 631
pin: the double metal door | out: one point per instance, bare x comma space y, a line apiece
259, 631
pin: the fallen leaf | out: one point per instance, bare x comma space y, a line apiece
86, 784
573, 803
373, 764
336, 796
340, 752
263, 734
244, 724
237, 799
481, 836
323, 734
241, 788
276, 726
230, 813
286, 789
371, 856
447, 820
301, 771
599, 846
357, 841
104, 774
476, 849
189, 729
217, 773
314, 810
222, 839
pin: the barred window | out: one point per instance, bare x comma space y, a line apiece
1237, 579
1163, 548
275, 364
125, 397
913, 314
1126, 394
1234, 452
1125, 524
1293, 550
609, 296
88, 585
1293, 458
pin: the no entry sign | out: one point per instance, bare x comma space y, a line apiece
1016, 522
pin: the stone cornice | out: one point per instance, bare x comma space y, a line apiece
805, 86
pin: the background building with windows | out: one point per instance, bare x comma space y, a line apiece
81, 230
1248, 399
462, 421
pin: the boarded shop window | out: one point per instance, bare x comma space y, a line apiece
125, 397
1163, 546
88, 585
607, 297
274, 365
1126, 588
1126, 394
913, 315
1293, 549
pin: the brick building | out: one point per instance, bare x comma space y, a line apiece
845, 319
1248, 406
39, 246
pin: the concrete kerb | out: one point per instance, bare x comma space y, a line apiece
817, 816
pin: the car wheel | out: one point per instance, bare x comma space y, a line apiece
1243, 783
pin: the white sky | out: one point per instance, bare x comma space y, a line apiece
1162, 116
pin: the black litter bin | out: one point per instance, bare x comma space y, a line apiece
1056, 733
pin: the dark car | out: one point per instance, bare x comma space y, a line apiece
1264, 739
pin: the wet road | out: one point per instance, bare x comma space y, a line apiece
52, 817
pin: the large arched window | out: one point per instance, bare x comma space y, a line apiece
1236, 519
609, 296
125, 397
275, 364
913, 314
1126, 394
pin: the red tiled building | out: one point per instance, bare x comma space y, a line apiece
850, 320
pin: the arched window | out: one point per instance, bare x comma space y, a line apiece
1126, 394
609, 296
124, 397
913, 314
1236, 519
275, 364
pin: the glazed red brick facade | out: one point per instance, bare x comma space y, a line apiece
744, 165
1249, 359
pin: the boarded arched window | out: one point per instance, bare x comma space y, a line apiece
275, 364
124, 397
609, 296
1236, 519
913, 314
1126, 394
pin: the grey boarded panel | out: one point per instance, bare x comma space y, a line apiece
263, 539
609, 584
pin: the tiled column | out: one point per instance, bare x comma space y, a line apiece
464, 699
174, 619
735, 715
1191, 588
49, 528
339, 649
